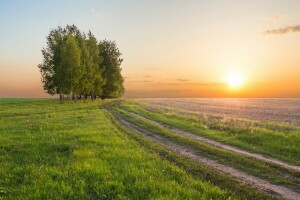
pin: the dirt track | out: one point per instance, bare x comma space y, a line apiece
220, 145
260, 184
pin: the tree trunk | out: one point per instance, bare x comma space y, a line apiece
61, 98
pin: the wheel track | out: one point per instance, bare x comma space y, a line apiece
218, 144
260, 184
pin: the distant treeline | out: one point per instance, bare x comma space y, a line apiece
76, 65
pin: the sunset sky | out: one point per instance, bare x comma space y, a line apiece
171, 48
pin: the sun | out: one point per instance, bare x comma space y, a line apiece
235, 80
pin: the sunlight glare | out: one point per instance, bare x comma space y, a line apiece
234, 80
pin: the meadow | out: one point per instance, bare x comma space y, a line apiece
75, 151
99, 150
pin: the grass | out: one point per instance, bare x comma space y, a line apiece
19, 100
240, 191
76, 151
275, 140
253, 166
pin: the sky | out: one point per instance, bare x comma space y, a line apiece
171, 48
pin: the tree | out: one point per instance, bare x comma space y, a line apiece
111, 67
87, 66
71, 63
51, 68
75, 64
97, 81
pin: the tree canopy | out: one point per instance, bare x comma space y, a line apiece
75, 64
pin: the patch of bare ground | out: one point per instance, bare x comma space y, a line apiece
219, 145
260, 184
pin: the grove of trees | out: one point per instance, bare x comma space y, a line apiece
76, 65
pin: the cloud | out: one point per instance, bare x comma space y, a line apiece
157, 93
182, 80
197, 84
178, 89
142, 81
93, 10
212, 84
275, 19
147, 76
284, 30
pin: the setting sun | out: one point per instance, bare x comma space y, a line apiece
234, 80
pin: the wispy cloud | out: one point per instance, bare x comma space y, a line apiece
147, 76
185, 83
275, 19
182, 80
284, 30
141, 81
96, 13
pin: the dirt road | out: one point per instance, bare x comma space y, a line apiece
220, 145
258, 183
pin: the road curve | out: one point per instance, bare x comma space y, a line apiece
258, 183
218, 144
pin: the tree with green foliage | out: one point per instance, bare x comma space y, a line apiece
76, 65
97, 80
111, 66
51, 68
86, 82
73, 71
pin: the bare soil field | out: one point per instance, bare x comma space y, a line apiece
261, 109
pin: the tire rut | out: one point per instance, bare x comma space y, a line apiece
260, 184
218, 144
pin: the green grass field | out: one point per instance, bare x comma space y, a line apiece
79, 150
19, 100
76, 151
